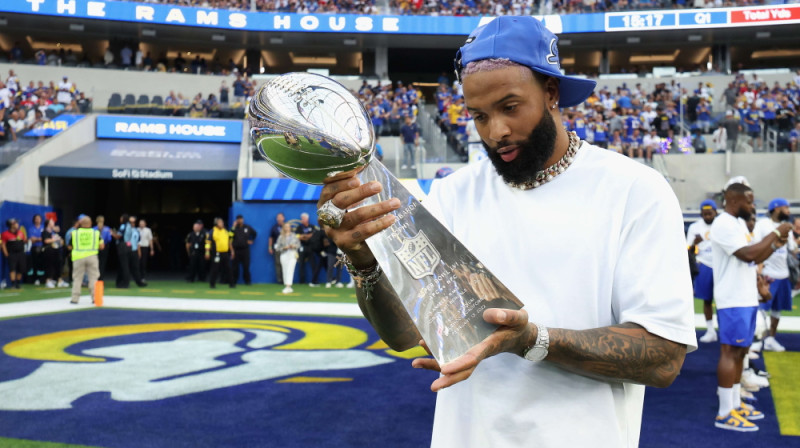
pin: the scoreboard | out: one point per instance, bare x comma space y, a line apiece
701, 18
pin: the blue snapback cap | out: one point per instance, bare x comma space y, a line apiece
777, 202
526, 41
708, 203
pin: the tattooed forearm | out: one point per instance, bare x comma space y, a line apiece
387, 315
625, 352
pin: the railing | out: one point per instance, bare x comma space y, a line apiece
435, 141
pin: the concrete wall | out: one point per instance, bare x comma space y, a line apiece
20, 182
697, 176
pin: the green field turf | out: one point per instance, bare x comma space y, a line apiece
19, 443
698, 307
184, 290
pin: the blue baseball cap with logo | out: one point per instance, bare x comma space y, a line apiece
526, 41
708, 203
777, 202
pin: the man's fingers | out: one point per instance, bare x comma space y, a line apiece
509, 318
449, 380
466, 361
369, 212
362, 231
332, 187
426, 363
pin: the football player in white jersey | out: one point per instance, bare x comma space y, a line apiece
698, 238
776, 268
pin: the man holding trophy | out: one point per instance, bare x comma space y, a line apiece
607, 309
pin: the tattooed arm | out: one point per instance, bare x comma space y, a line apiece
625, 352
384, 310
386, 314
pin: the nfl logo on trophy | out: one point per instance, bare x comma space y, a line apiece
418, 255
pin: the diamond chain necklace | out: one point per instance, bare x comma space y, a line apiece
546, 175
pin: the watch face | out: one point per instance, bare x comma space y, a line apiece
536, 353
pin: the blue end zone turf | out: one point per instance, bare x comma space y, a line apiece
386, 403
190, 379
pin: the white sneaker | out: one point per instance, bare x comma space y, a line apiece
753, 355
50, 284
756, 346
328, 285
772, 345
710, 336
749, 377
413, 167
340, 285
351, 285
404, 167
287, 290
62, 284
313, 285
37, 282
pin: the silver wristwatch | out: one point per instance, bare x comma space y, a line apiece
539, 350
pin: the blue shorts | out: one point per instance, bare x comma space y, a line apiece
704, 283
737, 325
781, 291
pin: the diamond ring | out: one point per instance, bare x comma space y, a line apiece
330, 215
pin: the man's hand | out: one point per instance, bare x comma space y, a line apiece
784, 228
345, 190
513, 336
208, 256
697, 240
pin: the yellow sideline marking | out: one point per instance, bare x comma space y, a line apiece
378, 345
217, 292
251, 293
416, 352
313, 379
324, 295
183, 291
785, 394
149, 290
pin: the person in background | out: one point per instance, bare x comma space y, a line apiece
287, 245
243, 237
146, 248
13, 246
53, 243
274, 233
37, 249
333, 269
85, 245
195, 241
218, 246
105, 234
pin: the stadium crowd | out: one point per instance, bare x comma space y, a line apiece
27, 107
455, 7
639, 122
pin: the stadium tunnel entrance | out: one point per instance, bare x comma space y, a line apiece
169, 207
169, 184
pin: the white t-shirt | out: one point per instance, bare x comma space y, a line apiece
64, 92
734, 279
700, 227
775, 266
601, 244
145, 236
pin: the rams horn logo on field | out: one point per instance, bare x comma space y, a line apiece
211, 355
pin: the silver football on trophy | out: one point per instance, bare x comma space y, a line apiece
310, 127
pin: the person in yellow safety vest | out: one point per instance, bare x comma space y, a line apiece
85, 244
218, 245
